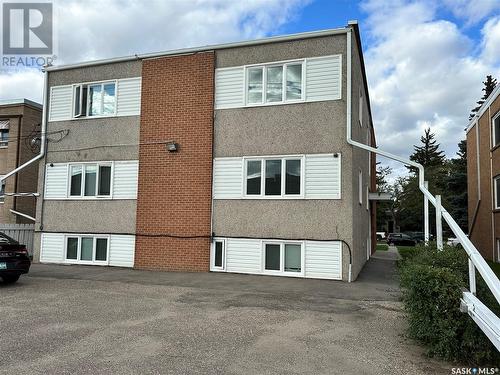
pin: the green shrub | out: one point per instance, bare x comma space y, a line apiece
432, 283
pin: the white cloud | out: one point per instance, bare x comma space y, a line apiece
27, 84
472, 11
95, 29
423, 72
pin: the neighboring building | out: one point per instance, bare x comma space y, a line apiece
227, 158
19, 124
483, 177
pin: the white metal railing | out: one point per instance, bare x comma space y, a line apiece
487, 321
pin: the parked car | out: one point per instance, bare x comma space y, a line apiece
14, 259
452, 241
400, 239
380, 236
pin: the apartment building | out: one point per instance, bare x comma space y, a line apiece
20, 121
227, 158
483, 177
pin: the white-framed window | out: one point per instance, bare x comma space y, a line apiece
283, 257
495, 130
367, 198
274, 177
218, 255
275, 83
360, 186
498, 250
496, 190
4, 138
2, 191
87, 249
96, 99
360, 108
90, 180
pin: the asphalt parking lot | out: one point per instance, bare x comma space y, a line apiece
91, 320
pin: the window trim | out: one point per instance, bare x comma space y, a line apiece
4, 144
360, 108
95, 237
360, 187
496, 204
282, 271
82, 195
213, 267
86, 116
283, 159
3, 185
493, 132
264, 67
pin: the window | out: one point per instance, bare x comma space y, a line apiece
4, 137
274, 177
496, 189
360, 187
218, 254
283, 257
275, 83
360, 109
2, 191
97, 99
87, 249
90, 180
495, 124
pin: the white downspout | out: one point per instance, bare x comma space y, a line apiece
484, 269
43, 132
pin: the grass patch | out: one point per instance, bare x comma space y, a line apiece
494, 266
407, 251
382, 247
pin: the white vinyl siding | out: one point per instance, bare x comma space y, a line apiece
230, 87
323, 260
125, 177
322, 178
56, 181
322, 77
52, 248
228, 178
123, 186
243, 255
128, 99
61, 103
122, 251
121, 248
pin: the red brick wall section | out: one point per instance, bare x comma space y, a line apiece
174, 192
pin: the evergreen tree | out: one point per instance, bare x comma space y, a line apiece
489, 86
456, 186
429, 154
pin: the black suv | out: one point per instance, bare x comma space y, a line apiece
400, 239
14, 259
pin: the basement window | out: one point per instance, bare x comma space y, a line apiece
283, 258
4, 137
2, 191
87, 249
94, 100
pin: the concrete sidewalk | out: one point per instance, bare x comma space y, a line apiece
93, 320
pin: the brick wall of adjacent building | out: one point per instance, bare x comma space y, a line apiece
23, 119
484, 220
174, 189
